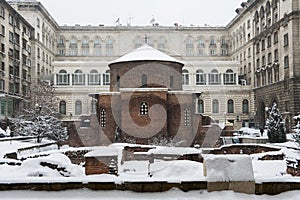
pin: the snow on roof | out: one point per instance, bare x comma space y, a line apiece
174, 151
103, 151
145, 53
222, 168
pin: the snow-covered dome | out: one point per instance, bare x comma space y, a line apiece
145, 53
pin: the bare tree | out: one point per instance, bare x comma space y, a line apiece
40, 117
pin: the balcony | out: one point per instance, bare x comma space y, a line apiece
25, 36
25, 52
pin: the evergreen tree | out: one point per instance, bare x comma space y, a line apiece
296, 136
40, 117
275, 126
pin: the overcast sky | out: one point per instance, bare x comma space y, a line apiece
165, 12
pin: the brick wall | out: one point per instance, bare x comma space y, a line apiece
158, 74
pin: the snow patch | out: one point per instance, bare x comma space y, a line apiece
224, 168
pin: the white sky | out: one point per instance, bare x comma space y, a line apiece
165, 12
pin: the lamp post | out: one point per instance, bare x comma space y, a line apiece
38, 108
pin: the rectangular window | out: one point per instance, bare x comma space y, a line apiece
263, 45
286, 40
276, 55
2, 12
269, 41
286, 61
11, 37
263, 61
38, 22
269, 58
2, 30
275, 37
257, 48
97, 51
10, 20
105, 79
73, 52
249, 52
249, 67
85, 52
212, 52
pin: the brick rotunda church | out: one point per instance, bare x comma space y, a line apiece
146, 103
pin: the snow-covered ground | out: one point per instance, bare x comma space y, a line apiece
173, 194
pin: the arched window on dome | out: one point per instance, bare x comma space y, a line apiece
103, 118
144, 108
144, 80
187, 117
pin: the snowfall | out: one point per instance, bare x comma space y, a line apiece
28, 169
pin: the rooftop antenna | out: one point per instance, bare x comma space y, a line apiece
129, 21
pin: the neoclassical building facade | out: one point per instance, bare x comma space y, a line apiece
239, 69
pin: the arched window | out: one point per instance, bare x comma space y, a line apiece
200, 106
106, 79
97, 47
189, 46
118, 83
109, 47
187, 117
144, 80
138, 42
161, 43
215, 106
200, 77
62, 78
212, 42
229, 77
94, 77
245, 106
73, 41
144, 108
61, 41
171, 81
85, 41
214, 77
230, 106
200, 43
185, 77
97, 42
103, 118
78, 78
78, 107
62, 107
